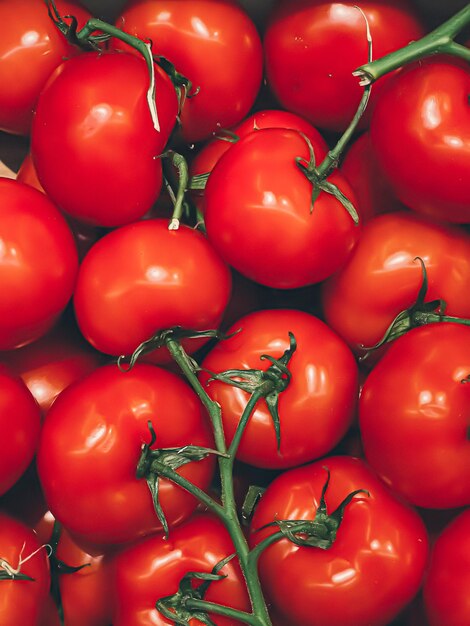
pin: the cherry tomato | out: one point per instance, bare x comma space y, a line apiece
324, 384
258, 213
31, 47
195, 546
215, 45
91, 443
382, 277
312, 47
143, 278
20, 421
423, 115
414, 416
38, 264
52, 363
446, 587
375, 565
20, 552
94, 146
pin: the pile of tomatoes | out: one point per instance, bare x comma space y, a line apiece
348, 282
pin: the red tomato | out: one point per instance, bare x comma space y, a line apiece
31, 47
257, 194
20, 551
423, 114
206, 159
38, 264
91, 443
95, 148
382, 277
372, 191
159, 565
312, 47
414, 416
52, 363
324, 384
143, 278
372, 570
215, 45
448, 579
20, 423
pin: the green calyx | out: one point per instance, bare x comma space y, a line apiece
267, 384
321, 531
419, 314
152, 464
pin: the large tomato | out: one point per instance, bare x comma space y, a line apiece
382, 277
22, 601
143, 278
313, 46
38, 264
20, 422
215, 45
374, 566
318, 405
94, 146
414, 416
423, 114
91, 443
31, 47
258, 213
196, 546
448, 579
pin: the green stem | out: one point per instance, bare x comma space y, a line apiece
248, 410
435, 317
226, 611
262, 545
179, 162
439, 41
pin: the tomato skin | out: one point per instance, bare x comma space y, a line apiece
213, 43
326, 42
91, 443
20, 424
142, 278
324, 384
423, 111
197, 545
31, 47
82, 138
417, 439
381, 278
52, 363
22, 600
36, 287
255, 192
372, 570
446, 586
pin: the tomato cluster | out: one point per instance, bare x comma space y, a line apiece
234, 323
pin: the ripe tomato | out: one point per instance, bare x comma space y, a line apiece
95, 148
360, 169
423, 112
52, 363
257, 196
36, 286
215, 45
22, 600
372, 570
382, 277
143, 278
317, 407
31, 47
20, 422
417, 439
195, 546
312, 47
91, 443
446, 587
